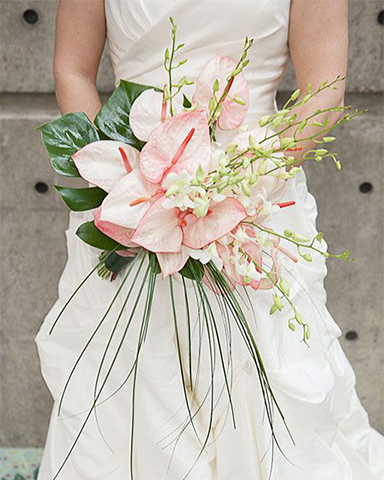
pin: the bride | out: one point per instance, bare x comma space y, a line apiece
315, 386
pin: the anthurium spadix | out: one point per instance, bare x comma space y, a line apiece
105, 162
235, 92
148, 111
180, 143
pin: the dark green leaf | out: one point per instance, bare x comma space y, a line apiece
186, 102
90, 234
193, 270
35, 473
154, 263
115, 262
81, 199
19, 477
113, 118
65, 136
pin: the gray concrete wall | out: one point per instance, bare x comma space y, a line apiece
32, 243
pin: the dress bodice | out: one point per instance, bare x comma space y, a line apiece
138, 33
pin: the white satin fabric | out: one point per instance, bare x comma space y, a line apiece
315, 386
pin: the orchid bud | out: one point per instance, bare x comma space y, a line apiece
211, 104
246, 162
307, 257
200, 174
319, 237
329, 139
216, 85
296, 94
306, 98
273, 310
291, 325
321, 151
277, 302
264, 120
252, 142
253, 179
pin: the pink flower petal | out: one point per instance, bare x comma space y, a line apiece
266, 283
221, 219
171, 263
159, 230
220, 67
253, 251
121, 235
102, 164
119, 206
145, 114
165, 142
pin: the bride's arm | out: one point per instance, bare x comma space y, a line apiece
80, 39
318, 42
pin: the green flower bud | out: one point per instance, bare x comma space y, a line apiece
200, 174
273, 310
264, 120
291, 325
317, 124
321, 151
277, 302
320, 236
216, 85
302, 125
166, 54
296, 94
211, 104
253, 180
307, 257
329, 139
306, 98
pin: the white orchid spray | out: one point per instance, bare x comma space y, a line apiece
169, 199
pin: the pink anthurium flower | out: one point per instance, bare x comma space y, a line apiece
171, 263
220, 219
160, 229
180, 143
120, 234
129, 200
148, 111
220, 68
105, 162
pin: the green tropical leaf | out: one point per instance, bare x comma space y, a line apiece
115, 262
81, 199
113, 119
90, 234
193, 270
65, 136
19, 477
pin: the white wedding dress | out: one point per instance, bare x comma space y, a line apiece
315, 386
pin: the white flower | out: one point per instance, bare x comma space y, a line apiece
206, 255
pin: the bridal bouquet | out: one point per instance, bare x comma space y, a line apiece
164, 189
